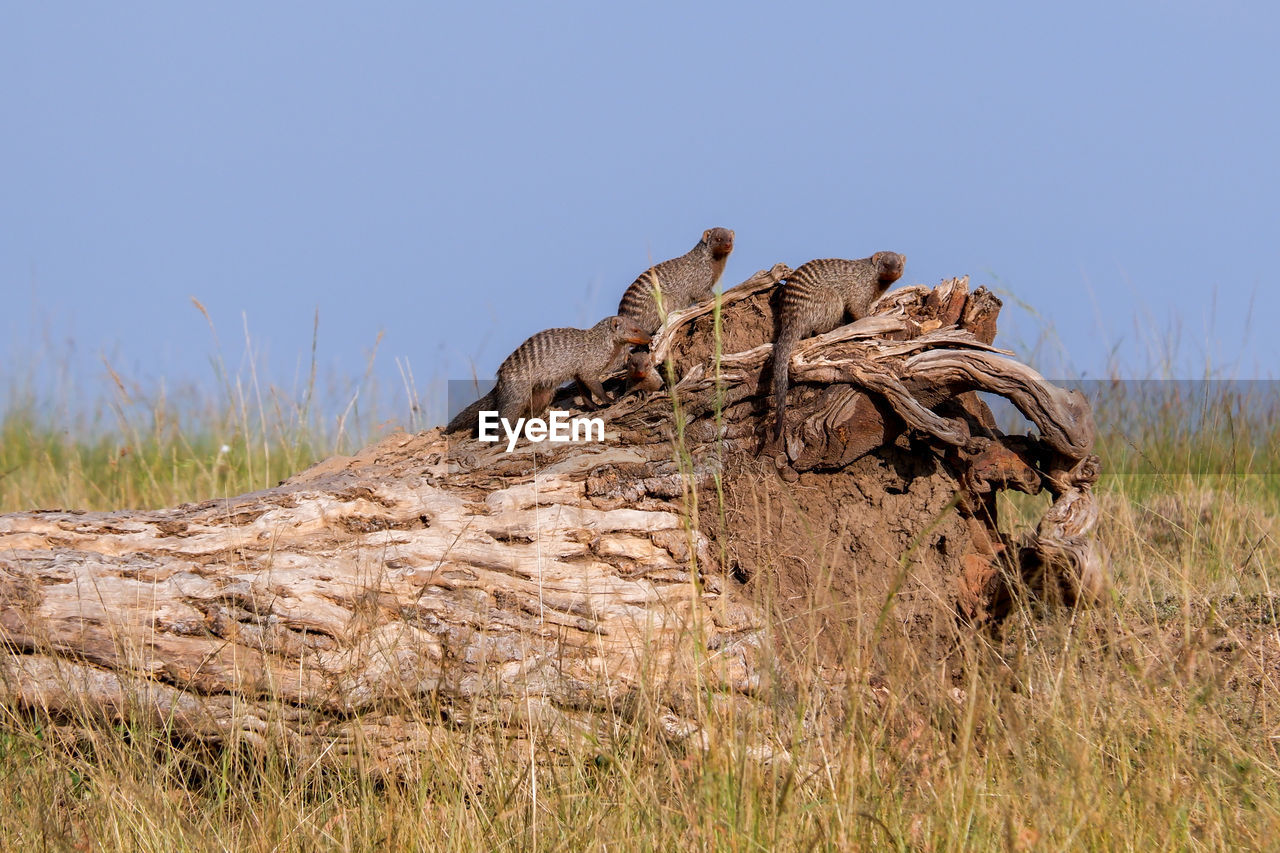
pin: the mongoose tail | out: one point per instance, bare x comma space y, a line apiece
815, 299
468, 420
782, 348
679, 282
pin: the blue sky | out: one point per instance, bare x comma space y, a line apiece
458, 177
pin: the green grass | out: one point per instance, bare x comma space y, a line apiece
149, 448
157, 464
1149, 723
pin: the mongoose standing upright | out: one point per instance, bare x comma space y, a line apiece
680, 281
815, 298
529, 377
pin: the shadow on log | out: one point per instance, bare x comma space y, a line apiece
437, 581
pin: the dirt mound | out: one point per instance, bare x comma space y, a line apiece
857, 558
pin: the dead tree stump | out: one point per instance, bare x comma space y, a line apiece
431, 580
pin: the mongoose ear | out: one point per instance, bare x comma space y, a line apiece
706, 236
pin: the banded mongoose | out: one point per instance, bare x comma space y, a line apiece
816, 298
529, 377
682, 281
642, 375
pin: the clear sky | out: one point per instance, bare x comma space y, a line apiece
459, 176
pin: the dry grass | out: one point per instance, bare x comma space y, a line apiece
1151, 722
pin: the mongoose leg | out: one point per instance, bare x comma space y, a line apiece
591, 385
539, 400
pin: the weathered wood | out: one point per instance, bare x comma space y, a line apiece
435, 581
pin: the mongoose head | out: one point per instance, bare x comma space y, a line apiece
625, 330
720, 241
888, 267
641, 372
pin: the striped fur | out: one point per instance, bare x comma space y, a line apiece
529, 377
816, 298
680, 281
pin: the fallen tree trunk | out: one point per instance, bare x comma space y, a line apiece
431, 580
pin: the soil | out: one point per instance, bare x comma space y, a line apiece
860, 558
